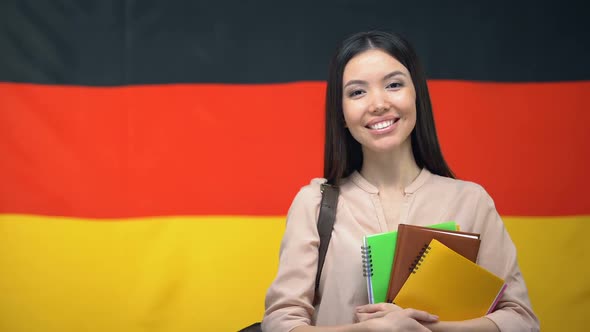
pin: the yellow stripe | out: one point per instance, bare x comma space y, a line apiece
211, 273
553, 254
157, 274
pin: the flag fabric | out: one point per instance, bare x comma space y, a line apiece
149, 150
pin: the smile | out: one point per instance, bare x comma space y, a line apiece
382, 124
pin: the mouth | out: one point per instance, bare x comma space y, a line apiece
382, 124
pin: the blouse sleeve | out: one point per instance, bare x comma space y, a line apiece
498, 254
289, 300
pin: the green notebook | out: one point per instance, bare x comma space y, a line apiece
377, 254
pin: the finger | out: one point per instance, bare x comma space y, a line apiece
420, 315
361, 317
378, 314
394, 307
368, 308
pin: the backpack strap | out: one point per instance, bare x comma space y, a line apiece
326, 224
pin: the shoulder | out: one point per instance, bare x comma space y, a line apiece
472, 205
461, 188
308, 198
310, 192
459, 196
304, 210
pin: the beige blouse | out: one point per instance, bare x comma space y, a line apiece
430, 199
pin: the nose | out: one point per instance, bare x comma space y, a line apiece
379, 103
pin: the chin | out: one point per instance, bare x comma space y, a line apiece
389, 146
384, 148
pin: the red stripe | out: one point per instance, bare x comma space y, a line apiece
246, 149
527, 144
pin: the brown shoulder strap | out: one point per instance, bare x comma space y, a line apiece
326, 224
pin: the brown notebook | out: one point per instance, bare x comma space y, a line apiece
412, 240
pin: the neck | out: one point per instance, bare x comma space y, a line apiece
392, 170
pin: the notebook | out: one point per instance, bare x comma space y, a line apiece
377, 254
411, 241
446, 284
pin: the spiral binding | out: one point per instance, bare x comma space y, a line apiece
367, 261
420, 258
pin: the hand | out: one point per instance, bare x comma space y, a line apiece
407, 320
376, 310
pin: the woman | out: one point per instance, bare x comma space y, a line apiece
383, 152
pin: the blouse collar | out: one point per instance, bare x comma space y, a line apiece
365, 185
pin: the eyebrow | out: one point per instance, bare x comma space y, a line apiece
386, 77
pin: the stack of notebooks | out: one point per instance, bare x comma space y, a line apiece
432, 269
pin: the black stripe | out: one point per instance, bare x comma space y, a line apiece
115, 42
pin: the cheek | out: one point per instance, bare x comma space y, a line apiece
405, 102
348, 113
350, 123
410, 116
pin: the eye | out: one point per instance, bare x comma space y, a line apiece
355, 93
394, 85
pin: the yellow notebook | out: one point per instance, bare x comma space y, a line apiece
446, 284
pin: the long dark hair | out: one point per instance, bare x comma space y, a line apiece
342, 153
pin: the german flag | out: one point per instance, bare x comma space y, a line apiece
149, 150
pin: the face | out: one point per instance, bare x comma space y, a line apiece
379, 101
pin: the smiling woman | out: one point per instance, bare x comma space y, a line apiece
379, 102
146, 144
383, 152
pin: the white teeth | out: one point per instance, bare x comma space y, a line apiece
381, 125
